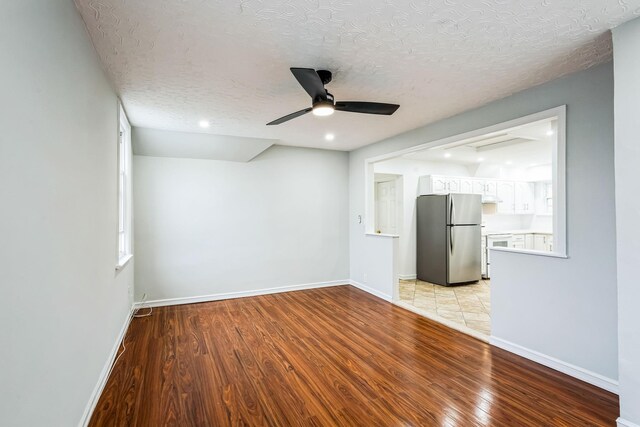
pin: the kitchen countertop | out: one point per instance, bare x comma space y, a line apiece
526, 231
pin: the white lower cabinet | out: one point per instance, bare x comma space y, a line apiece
543, 242
528, 241
518, 241
483, 257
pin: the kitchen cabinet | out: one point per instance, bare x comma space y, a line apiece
453, 185
514, 197
506, 197
528, 241
524, 198
490, 188
518, 241
435, 184
477, 186
548, 197
466, 186
483, 257
543, 242
438, 184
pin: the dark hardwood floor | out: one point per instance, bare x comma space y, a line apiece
332, 356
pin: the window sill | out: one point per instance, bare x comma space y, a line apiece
122, 262
393, 236
530, 252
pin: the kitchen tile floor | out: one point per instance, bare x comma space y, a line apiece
468, 305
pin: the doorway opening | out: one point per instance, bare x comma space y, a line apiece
461, 198
388, 197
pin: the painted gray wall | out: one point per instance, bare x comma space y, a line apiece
208, 227
563, 308
62, 304
626, 43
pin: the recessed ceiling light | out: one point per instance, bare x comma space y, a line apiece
481, 159
204, 123
549, 133
509, 162
329, 137
447, 155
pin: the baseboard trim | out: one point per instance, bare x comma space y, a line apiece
551, 362
239, 294
408, 276
626, 423
104, 375
371, 290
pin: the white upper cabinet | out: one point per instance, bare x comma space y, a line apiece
477, 186
524, 202
439, 184
466, 185
453, 184
514, 197
491, 188
506, 197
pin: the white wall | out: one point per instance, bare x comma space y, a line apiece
626, 43
564, 308
208, 227
62, 304
411, 171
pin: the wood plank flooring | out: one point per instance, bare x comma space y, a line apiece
325, 357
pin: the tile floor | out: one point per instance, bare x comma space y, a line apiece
468, 305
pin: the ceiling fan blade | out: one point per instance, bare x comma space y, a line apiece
289, 117
367, 107
311, 82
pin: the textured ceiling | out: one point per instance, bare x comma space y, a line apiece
175, 62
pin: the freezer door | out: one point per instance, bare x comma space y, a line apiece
464, 246
464, 209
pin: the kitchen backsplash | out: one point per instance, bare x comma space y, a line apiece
499, 222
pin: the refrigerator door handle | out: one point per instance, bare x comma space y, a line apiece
451, 238
452, 211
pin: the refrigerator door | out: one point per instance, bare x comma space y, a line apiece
463, 247
431, 244
464, 209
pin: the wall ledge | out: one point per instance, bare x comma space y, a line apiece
393, 236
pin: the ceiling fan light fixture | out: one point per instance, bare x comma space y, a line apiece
322, 109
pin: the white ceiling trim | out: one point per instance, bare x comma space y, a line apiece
159, 143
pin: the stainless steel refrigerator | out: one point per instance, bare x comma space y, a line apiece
448, 241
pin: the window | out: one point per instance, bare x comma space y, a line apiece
124, 190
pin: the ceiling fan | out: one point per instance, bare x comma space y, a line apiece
322, 102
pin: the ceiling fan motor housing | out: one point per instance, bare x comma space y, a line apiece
325, 76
